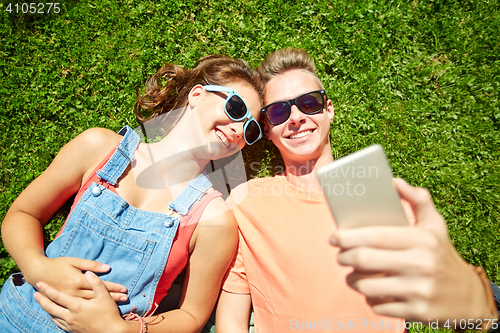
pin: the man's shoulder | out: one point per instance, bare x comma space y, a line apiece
254, 190
255, 185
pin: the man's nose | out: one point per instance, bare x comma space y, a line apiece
296, 116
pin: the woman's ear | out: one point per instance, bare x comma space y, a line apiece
195, 94
266, 128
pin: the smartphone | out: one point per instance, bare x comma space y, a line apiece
360, 191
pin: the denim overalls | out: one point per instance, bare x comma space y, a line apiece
104, 227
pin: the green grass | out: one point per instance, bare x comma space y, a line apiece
422, 78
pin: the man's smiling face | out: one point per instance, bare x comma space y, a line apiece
302, 137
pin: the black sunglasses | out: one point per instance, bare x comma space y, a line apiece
309, 103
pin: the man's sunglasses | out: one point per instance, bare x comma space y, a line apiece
237, 110
309, 103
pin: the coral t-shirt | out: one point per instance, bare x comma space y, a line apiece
287, 265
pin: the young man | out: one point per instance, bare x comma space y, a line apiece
285, 267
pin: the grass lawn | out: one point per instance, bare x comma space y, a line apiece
422, 78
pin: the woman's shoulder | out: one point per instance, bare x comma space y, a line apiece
98, 138
217, 224
218, 214
96, 141
89, 147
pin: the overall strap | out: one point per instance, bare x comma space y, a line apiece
121, 158
190, 195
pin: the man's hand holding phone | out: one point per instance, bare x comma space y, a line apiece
425, 279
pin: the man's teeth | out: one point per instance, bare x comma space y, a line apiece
300, 135
222, 138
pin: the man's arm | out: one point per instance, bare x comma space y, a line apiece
233, 313
234, 306
426, 279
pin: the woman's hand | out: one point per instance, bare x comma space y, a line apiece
424, 278
212, 246
66, 274
75, 314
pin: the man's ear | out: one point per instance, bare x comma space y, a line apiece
194, 95
330, 110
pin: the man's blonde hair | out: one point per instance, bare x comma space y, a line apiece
283, 60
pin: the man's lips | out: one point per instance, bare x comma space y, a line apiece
300, 135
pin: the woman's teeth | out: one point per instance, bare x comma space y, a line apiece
222, 138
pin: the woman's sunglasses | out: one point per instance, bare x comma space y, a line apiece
309, 103
237, 110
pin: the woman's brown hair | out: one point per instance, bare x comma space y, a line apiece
169, 88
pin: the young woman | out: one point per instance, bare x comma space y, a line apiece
141, 210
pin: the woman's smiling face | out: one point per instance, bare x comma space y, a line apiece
223, 135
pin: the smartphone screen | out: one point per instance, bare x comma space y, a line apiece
360, 191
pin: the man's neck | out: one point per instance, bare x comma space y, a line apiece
302, 173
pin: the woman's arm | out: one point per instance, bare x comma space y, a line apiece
214, 244
22, 228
